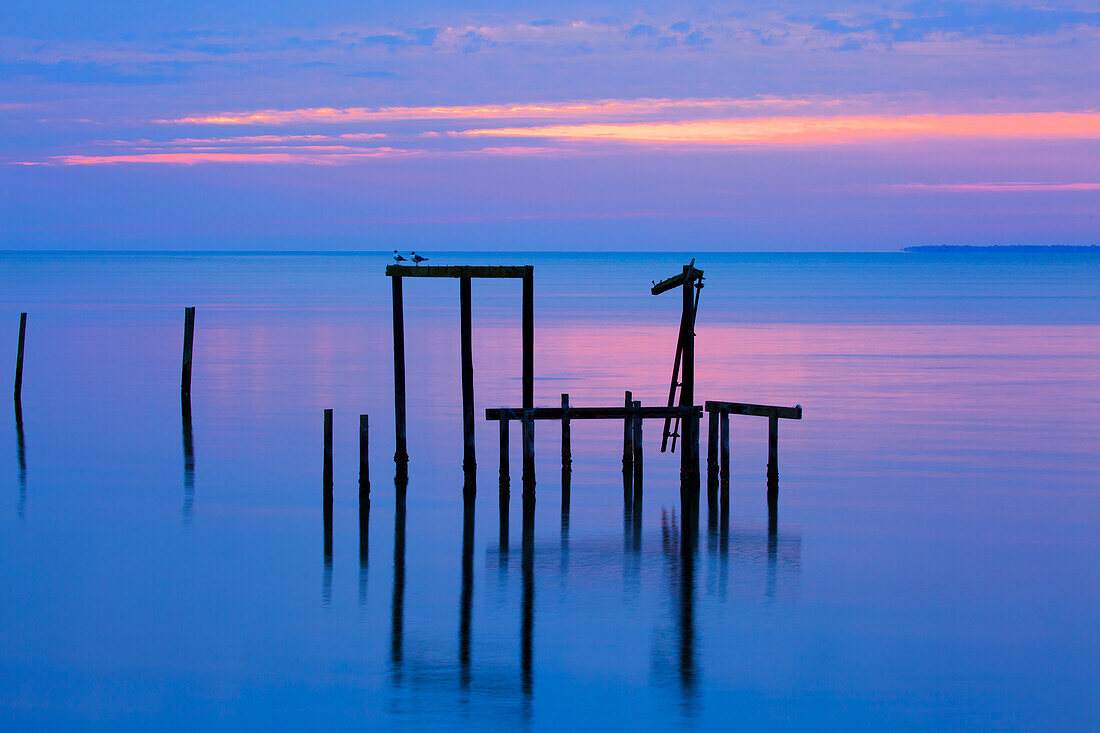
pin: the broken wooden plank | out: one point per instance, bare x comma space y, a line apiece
589, 413
742, 408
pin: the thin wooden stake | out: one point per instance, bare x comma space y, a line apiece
19, 356
364, 469
637, 431
712, 461
724, 465
188, 342
327, 484
566, 455
628, 436
773, 461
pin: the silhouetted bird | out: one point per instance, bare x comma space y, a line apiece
397, 257
418, 259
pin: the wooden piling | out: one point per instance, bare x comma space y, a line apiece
528, 373
687, 375
327, 484
628, 436
364, 469
528, 458
401, 453
188, 342
469, 459
637, 449
693, 448
19, 357
566, 455
724, 461
505, 479
712, 461
773, 461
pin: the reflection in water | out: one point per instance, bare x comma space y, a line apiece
678, 551
188, 461
668, 569
326, 584
21, 452
397, 613
527, 616
466, 595
364, 525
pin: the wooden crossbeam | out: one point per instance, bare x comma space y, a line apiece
497, 271
741, 408
676, 280
588, 413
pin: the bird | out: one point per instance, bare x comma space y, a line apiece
418, 259
397, 257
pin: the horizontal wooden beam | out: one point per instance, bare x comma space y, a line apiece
741, 408
516, 271
589, 413
674, 282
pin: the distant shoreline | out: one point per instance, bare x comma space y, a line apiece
1003, 248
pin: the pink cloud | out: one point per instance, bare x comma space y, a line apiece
993, 187
817, 130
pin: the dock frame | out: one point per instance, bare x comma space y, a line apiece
464, 273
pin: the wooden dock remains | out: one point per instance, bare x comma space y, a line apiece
721, 411
464, 273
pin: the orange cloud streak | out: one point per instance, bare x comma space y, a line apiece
819, 130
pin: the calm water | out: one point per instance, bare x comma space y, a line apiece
935, 564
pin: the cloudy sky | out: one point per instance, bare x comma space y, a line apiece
554, 125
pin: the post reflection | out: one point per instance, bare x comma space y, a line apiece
527, 615
188, 460
397, 613
21, 454
679, 665
466, 595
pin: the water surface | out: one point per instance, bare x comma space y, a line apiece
934, 564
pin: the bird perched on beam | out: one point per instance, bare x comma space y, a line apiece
397, 257
418, 259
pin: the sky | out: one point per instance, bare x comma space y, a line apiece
566, 125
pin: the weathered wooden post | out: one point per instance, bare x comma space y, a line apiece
469, 457
529, 374
19, 357
773, 461
637, 433
693, 449
505, 479
712, 461
401, 453
566, 455
687, 377
528, 458
327, 484
364, 485
188, 342
724, 466
628, 436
